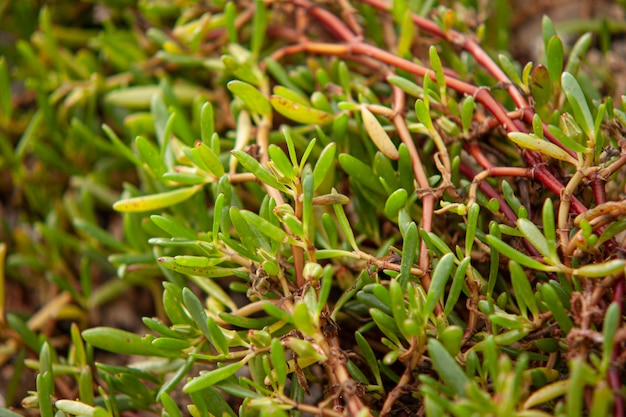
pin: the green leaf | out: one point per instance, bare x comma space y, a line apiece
302, 319
566, 140
217, 337
207, 122
173, 227
395, 202
517, 256
169, 343
549, 229
435, 63
197, 312
509, 69
609, 328
368, 354
243, 71
169, 405
457, 285
100, 235
156, 201
208, 271
386, 324
523, 291
277, 312
361, 172
601, 270
534, 143
578, 50
259, 25
123, 342
344, 225
45, 390
411, 240
279, 360
452, 337
540, 85
472, 224
323, 165
300, 113
397, 303
293, 95
307, 199
253, 166
547, 30
447, 368
578, 102
207, 379
251, 96
6, 107
267, 228
276, 70
281, 162
405, 85
467, 113
536, 238
231, 29
554, 54
247, 322
438, 284
26, 334
151, 156
555, 306
423, 115
117, 143
210, 159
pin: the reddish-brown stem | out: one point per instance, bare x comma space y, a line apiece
467, 44
490, 192
331, 22
481, 95
428, 200
597, 186
478, 155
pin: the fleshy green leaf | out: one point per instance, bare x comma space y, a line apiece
251, 96
534, 143
540, 85
447, 368
300, 113
439, 279
210, 378
257, 169
536, 238
156, 201
523, 291
123, 342
578, 102
515, 255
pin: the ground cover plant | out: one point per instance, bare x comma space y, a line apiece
291, 208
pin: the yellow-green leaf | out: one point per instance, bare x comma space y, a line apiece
534, 143
156, 201
300, 113
378, 135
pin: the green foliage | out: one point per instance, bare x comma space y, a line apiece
319, 223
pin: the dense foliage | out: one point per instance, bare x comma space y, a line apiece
361, 208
